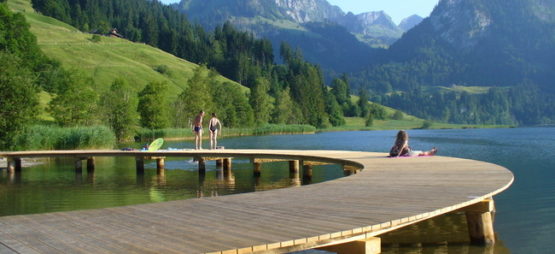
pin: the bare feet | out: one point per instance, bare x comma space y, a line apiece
429, 153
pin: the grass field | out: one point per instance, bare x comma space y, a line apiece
411, 122
108, 59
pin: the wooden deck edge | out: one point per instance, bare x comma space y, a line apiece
359, 233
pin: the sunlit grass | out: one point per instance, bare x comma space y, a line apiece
41, 137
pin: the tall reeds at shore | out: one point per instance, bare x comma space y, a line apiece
43, 137
177, 134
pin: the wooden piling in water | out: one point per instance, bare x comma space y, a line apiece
219, 163
368, 246
13, 164
293, 166
78, 165
90, 165
257, 169
227, 164
140, 164
160, 163
201, 165
479, 218
307, 171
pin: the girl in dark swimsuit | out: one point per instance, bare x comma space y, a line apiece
214, 126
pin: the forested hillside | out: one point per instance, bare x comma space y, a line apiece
506, 44
82, 94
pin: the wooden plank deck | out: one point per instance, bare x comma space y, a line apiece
386, 195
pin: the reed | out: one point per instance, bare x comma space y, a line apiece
44, 137
144, 135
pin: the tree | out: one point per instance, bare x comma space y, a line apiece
363, 102
196, 97
120, 107
232, 106
334, 111
19, 102
261, 101
76, 104
369, 120
285, 110
153, 106
340, 90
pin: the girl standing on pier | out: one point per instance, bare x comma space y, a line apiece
214, 126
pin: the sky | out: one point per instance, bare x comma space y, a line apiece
397, 9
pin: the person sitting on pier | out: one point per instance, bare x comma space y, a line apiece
402, 148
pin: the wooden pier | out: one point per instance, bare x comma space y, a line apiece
346, 214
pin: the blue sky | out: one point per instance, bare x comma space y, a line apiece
397, 9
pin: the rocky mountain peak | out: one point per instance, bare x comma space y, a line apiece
303, 11
410, 22
461, 23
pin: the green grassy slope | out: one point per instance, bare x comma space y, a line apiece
108, 59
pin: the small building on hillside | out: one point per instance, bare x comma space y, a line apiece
114, 33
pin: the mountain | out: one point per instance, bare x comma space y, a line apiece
326, 35
488, 43
374, 28
410, 22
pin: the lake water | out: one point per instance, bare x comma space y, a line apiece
525, 218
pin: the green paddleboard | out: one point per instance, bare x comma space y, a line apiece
155, 145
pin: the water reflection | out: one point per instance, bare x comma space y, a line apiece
444, 234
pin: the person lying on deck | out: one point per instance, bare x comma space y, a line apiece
402, 148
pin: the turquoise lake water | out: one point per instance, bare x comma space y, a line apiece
525, 218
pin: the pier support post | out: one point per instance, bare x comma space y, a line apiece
257, 169
13, 164
295, 178
201, 165
368, 246
307, 171
227, 164
90, 165
140, 163
480, 222
78, 165
160, 165
219, 163
293, 166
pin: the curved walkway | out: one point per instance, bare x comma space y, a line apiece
386, 195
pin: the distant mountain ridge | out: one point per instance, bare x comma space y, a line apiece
327, 36
372, 26
505, 45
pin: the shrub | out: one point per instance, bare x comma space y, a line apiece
96, 38
398, 115
426, 124
162, 69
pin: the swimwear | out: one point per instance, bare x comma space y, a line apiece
198, 128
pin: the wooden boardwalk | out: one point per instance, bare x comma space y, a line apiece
386, 195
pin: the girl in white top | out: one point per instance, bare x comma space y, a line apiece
214, 126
